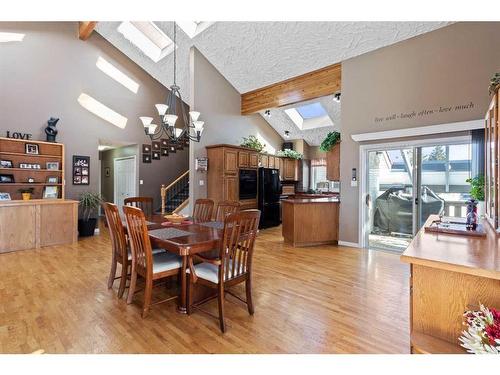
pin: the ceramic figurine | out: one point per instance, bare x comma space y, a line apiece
51, 130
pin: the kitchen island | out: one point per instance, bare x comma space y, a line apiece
449, 274
310, 221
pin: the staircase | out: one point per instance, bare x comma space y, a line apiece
176, 195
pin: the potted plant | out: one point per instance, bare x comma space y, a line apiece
494, 83
331, 140
252, 142
477, 192
89, 202
26, 193
292, 154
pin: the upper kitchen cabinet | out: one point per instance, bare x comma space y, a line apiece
290, 169
333, 163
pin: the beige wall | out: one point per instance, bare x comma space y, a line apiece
219, 104
445, 68
44, 75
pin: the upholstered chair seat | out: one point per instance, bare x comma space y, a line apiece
210, 272
165, 261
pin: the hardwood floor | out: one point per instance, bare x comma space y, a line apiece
307, 300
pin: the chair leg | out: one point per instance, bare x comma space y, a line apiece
112, 272
248, 289
147, 297
220, 299
189, 292
131, 289
123, 280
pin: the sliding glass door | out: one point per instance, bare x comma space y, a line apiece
406, 185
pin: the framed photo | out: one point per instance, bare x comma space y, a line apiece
172, 149
107, 172
50, 192
6, 178
146, 149
146, 158
164, 143
155, 155
31, 148
156, 146
81, 170
53, 165
4, 197
52, 180
164, 152
6, 164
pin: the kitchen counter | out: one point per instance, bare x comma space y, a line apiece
449, 274
310, 221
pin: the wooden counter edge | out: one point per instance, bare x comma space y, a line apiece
36, 202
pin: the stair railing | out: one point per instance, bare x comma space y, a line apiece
169, 192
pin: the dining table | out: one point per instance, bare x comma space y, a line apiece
184, 239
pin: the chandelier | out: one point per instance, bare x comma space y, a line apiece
171, 111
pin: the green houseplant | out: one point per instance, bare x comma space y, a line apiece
89, 204
252, 142
331, 140
292, 154
476, 187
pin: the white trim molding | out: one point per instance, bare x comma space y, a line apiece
348, 244
420, 131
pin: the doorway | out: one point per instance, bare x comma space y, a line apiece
404, 183
124, 179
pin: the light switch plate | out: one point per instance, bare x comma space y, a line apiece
354, 183
202, 182
141, 182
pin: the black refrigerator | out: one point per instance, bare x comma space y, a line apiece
269, 197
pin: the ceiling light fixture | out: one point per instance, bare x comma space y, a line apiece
287, 134
169, 114
336, 97
267, 113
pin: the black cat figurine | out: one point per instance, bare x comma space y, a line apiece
51, 130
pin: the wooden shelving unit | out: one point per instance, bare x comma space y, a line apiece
14, 150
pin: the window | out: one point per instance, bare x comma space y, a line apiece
309, 116
193, 28
148, 38
318, 175
11, 37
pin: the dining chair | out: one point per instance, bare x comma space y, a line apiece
232, 266
120, 253
203, 209
144, 203
225, 208
150, 266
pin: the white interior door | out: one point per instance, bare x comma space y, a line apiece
124, 180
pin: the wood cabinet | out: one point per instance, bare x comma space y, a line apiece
254, 160
271, 163
230, 161
243, 159
333, 163
492, 165
290, 169
230, 188
264, 160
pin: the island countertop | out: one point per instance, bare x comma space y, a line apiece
311, 200
478, 256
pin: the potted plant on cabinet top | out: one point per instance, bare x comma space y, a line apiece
252, 142
477, 192
26, 193
89, 202
330, 141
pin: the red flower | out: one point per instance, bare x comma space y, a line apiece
493, 332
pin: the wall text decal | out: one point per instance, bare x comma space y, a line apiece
18, 135
425, 112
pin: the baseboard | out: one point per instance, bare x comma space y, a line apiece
348, 244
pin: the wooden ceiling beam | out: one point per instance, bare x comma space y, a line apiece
85, 29
315, 84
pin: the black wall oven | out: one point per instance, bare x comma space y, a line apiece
248, 184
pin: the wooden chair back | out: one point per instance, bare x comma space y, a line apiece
116, 231
238, 240
144, 203
203, 209
140, 245
225, 208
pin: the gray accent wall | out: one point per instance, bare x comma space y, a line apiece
220, 105
445, 68
44, 75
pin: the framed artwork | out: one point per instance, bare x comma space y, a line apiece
155, 145
4, 197
155, 155
50, 192
164, 143
31, 148
81, 170
6, 178
146, 158
52, 165
52, 180
164, 152
172, 149
6, 164
146, 149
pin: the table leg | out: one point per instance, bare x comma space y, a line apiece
181, 308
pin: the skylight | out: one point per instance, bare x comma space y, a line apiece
309, 116
313, 110
117, 75
148, 38
193, 28
11, 37
100, 110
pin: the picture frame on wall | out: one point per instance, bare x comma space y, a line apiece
4, 197
164, 143
7, 178
52, 180
6, 164
155, 146
155, 155
172, 149
146, 149
31, 148
50, 192
146, 158
81, 170
52, 165
164, 152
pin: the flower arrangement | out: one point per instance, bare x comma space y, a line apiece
253, 142
292, 154
483, 331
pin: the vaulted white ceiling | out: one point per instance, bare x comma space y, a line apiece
251, 55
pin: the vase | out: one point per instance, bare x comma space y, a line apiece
26, 196
480, 208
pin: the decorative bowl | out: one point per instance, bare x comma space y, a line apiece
175, 219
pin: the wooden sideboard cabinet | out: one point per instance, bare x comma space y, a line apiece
333, 163
264, 160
